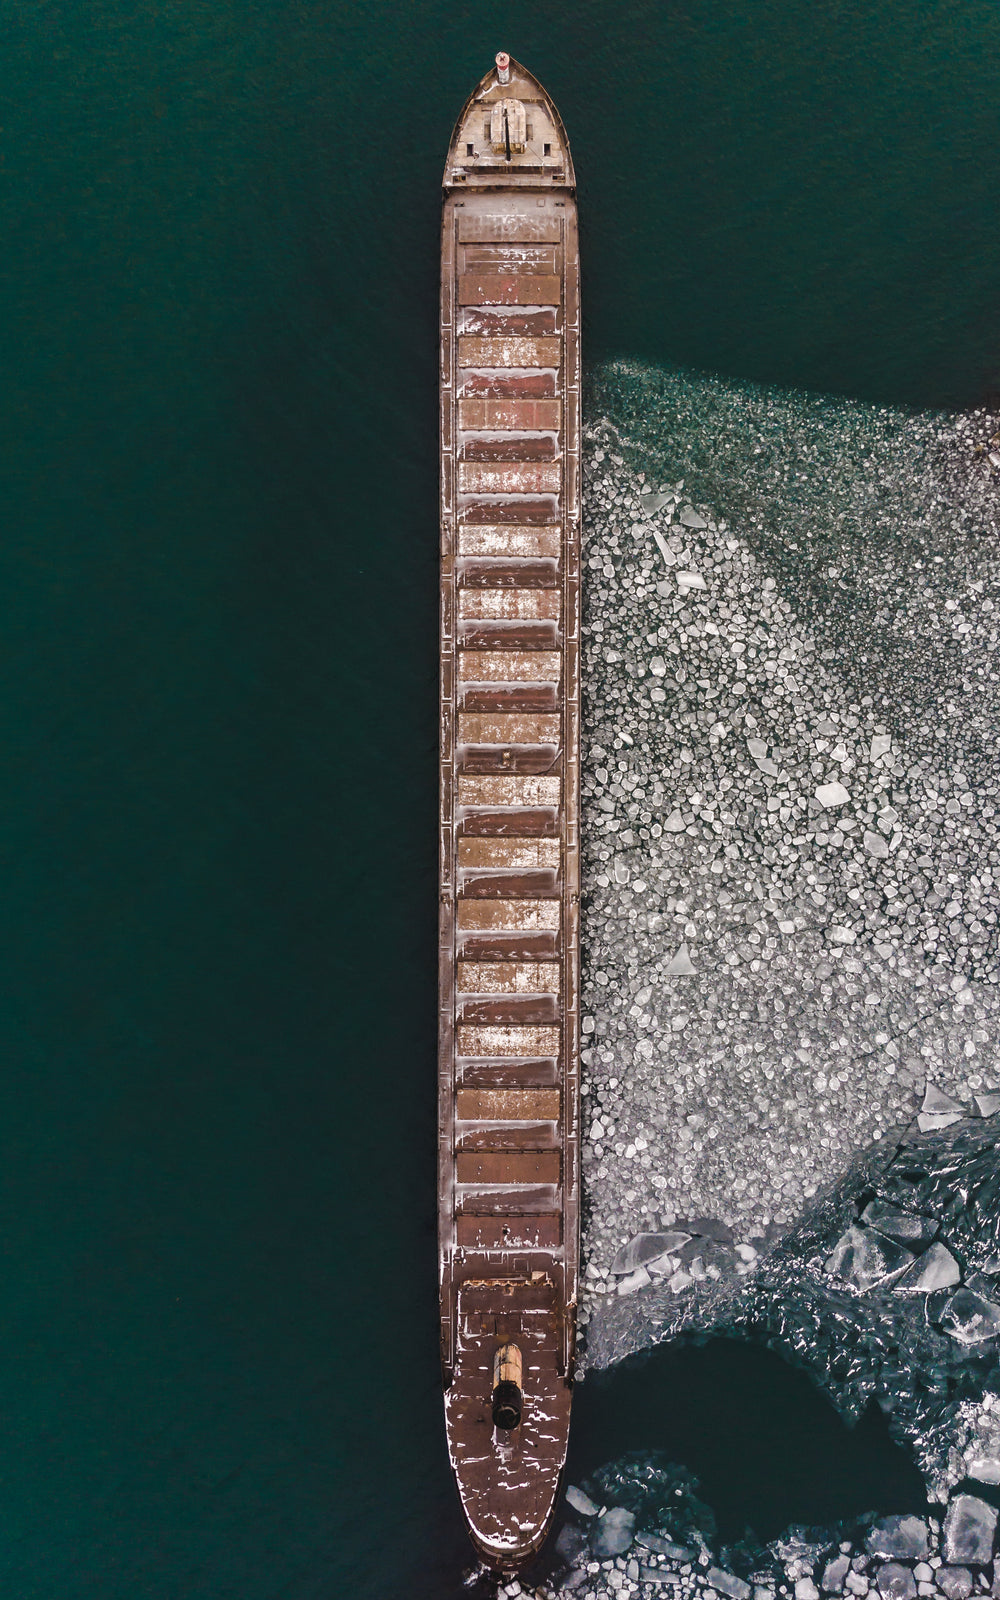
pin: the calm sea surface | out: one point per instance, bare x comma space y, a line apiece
218, 1369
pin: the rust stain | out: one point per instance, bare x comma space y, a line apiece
493, 757
541, 1166
512, 1008
510, 1233
506, 727
509, 823
513, 853
527, 1072
496, 575
509, 289
509, 477
511, 256
508, 352
498, 509
503, 540
508, 1105
491, 448
540, 884
508, 226
508, 385
503, 635
510, 604
510, 1041
517, 415
510, 1136
509, 666
509, 697
507, 914
542, 791
508, 977
505, 320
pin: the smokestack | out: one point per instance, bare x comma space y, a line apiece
508, 1397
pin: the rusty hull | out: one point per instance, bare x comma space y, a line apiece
510, 718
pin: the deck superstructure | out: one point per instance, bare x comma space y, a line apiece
510, 698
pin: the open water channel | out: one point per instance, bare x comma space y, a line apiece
218, 286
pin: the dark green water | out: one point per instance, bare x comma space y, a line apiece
218, 567
767, 1448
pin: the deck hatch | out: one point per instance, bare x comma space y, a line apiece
503, 915
508, 289
507, 1105
517, 226
486, 1168
508, 352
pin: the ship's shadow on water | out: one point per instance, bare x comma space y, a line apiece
768, 1448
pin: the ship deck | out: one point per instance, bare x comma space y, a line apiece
509, 909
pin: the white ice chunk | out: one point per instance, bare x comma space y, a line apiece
664, 548
663, 1266
691, 519
681, 965
635, 1280
835, 1572
970, 1318
895, 1582
863, 1258
955, 1583
902, 1536
938, 1103
644, 1248
729, 1584
581, 1502
613, 1533
908, 1227
969, 1528
652, 502
936, 1269
934, 1121
985, 1469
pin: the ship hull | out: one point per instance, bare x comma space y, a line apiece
509, 1178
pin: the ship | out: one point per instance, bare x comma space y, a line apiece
509, 1090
